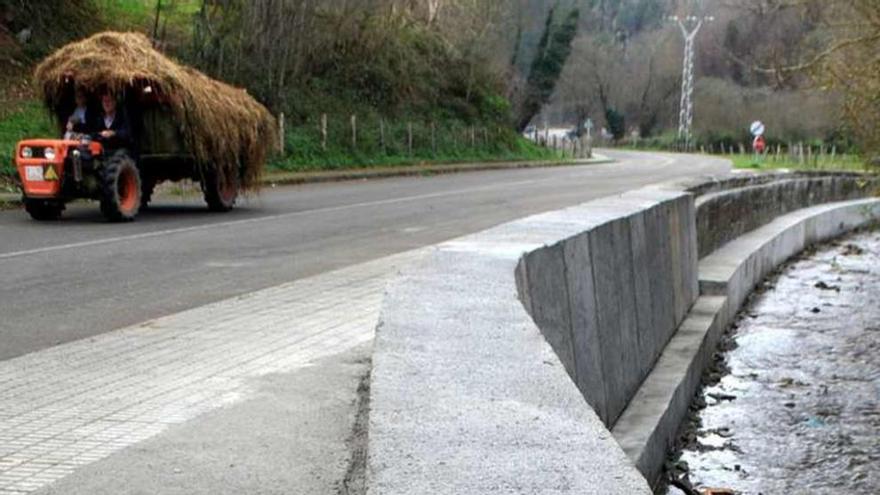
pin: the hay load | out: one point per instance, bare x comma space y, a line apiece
223, 127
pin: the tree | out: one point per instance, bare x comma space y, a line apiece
851, 65
554, 49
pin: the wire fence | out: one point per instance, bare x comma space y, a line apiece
419, 139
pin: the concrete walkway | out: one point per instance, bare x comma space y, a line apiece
76, 407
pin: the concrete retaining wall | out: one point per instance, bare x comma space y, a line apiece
725, 214
467, 396
610, 298
487, 348
647, 430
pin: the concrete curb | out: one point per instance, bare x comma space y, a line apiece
416, 170
648, 428
13, 200
9, 200
467, 397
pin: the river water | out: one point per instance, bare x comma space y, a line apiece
792, 405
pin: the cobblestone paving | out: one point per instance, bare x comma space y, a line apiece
78, 403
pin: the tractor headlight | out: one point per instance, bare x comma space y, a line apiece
27, 152
49, 153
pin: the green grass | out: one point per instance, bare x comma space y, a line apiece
851, 163
452, 142
29, 121
140, 14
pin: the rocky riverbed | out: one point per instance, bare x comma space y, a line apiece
792, 404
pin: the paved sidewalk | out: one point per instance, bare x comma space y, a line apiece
76, 404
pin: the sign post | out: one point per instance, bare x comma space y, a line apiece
759, 144
588, 146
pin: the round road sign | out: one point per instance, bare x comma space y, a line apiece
757, 128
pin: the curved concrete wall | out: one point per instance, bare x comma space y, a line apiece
609, 299
725, 213
467, 395
487, 347
648, 428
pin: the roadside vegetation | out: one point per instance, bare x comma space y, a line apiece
846, 163
29, 119
410, 81
357, 86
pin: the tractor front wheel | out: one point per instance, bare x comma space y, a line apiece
220, 192
43, 210
120, 188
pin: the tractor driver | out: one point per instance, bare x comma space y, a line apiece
112, 129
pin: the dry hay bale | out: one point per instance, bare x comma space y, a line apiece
222, 126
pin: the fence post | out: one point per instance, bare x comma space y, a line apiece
473, 137
433, 138
382, 135
281, 133
354, 132
409, 137
324, 131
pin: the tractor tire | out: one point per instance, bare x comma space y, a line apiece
43, 210
220, 194
120, 188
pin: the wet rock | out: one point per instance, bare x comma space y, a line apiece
718, 491
853, 250
720, 397
824, 286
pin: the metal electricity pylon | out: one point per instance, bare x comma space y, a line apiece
690, 27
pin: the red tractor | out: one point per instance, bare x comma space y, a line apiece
180, 124
54, 172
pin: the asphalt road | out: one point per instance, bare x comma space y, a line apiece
80, 277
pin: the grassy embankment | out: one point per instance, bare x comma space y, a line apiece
382, 140
847, 162
812, 162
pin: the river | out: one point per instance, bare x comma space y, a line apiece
792, 404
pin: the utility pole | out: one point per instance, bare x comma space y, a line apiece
690, 27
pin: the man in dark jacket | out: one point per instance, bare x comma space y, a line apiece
112, 129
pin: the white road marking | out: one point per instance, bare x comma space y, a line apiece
269, 218
71, 405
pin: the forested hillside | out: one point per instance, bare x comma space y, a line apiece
371, 81
808, 69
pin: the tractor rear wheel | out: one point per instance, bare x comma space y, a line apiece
43, 210
220, 192
120, 188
